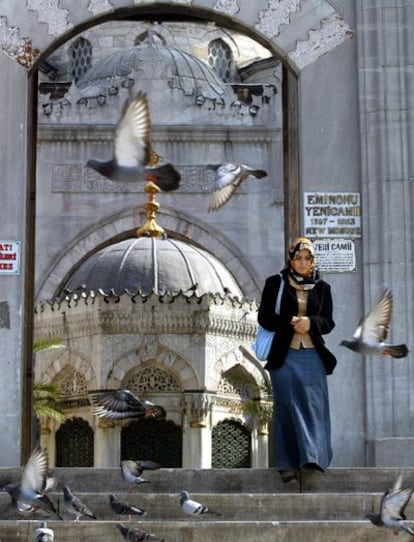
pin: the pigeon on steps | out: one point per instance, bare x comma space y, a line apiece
137, 535
122, 508
75, 506
190, 507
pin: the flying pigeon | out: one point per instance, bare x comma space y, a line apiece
75, 506
369, 337
194, 508
133, 158
131, 471
122, 508
226, 181
393, 504
136, 535
120, 404
28, 495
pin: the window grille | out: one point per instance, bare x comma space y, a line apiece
73, 384
220, 58
156, 440
81, 58
74, 444
231, 446
152, 378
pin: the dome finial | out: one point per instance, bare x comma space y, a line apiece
151, 227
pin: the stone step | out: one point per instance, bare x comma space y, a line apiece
233, 507
230, 480
254, 503
205, 531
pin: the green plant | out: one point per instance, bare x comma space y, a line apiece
46, 396
46, 401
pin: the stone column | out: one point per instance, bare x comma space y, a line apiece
385, 60
197, 431
260, 447
107, 444
16, 294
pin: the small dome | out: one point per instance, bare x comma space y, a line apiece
151, 60
147, 264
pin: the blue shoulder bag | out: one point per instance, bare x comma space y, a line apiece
264, 338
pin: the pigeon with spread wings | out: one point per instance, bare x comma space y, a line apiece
132, 470
29, 494
227, 179
372, 331
121, 404
133, 157
392, 507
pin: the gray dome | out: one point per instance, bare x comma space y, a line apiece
147, 264
151, 60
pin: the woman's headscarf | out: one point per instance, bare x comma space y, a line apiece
302, 243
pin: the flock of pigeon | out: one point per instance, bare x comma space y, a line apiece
134, 159
29, 495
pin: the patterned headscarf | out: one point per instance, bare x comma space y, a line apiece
301, 243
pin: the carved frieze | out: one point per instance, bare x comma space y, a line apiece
96, 7
17, 47
51, 13
333, 31
231, 7
277, 13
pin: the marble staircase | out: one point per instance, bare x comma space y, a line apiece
254, 504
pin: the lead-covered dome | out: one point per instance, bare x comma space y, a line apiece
149, 264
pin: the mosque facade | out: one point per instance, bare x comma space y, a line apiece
315, 93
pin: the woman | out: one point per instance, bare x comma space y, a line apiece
298, 362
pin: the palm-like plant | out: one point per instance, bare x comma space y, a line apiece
46, 396
46, 401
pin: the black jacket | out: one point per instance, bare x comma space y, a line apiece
319, 311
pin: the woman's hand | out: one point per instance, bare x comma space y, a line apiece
301, 324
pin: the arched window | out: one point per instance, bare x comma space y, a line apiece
156, 440
80, 58
220, 58
231, 446
74, 444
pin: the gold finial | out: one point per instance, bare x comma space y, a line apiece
150, 227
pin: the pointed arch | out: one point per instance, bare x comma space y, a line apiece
167, 360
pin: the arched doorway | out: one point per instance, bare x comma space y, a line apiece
42, 33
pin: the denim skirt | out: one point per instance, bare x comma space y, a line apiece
301, 431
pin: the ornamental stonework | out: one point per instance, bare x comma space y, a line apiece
50, 12
277, 14
152, 379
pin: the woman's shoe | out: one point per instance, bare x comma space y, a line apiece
312, 467
288, 476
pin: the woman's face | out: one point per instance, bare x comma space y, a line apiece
302, 262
